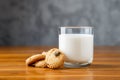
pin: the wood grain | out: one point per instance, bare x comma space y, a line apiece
106, 65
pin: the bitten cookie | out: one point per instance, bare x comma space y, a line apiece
34, 58
41, 64
54, 58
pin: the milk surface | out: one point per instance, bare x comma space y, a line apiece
78, 48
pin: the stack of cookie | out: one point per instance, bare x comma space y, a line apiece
54, 58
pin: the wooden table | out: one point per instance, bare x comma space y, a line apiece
106, 66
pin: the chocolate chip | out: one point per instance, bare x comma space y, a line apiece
57, 53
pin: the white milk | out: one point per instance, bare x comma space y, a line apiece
78, 48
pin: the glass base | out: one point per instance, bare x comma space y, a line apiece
76, 65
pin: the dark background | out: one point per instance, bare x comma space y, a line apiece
35, 22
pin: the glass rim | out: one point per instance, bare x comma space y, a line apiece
76, 27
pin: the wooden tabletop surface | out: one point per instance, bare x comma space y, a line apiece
106, 65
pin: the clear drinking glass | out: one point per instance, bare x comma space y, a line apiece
77, 45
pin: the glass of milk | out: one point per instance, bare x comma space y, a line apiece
77, 45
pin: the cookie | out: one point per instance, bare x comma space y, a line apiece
40, 64
34, 58
54, 58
